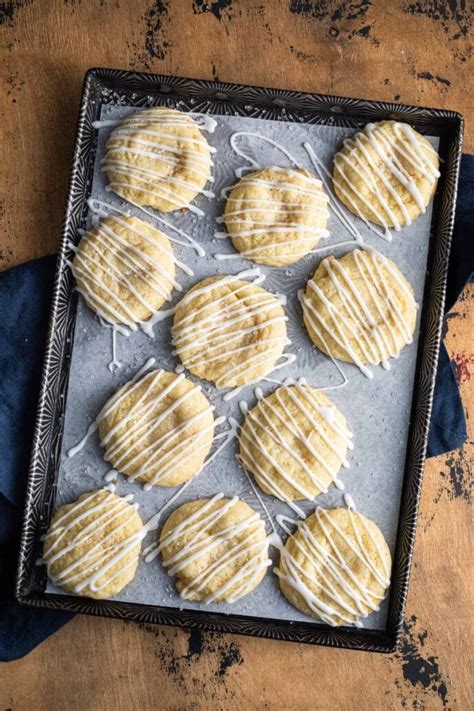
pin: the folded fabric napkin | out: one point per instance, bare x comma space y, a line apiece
25, 294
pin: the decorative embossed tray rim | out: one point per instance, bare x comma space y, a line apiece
105, 86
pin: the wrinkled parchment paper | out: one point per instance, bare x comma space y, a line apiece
377, 410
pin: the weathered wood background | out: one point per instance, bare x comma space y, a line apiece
413, 52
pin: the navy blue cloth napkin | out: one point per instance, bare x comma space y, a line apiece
448, 423
25, 294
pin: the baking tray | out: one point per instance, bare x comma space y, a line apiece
111, 87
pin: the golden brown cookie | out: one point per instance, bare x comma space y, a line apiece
158, 429
124, 269
276, 215
360, 308
93, 544
294, 442
386, 174
217, 549
335, 567
158, 157
229, 331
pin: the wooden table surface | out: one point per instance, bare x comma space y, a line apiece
412, 52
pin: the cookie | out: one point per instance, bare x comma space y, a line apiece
92, 545
216, 549
124, 269
294, 442
360, 309
229, 331
276, 215
158, 429
386, 174
335, 567
158, 157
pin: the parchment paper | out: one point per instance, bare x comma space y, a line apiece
377, 410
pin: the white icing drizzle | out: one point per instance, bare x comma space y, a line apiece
169, 451
355, 312
93, 427
283, 522
114, 364
349, 502
146, 366
118, 327
211, 330
283, 433
196, 545
204, 121
334, 203
190, 241
77, 448
389, 153
328, 567
99, 558
151, 125
259, 497
287, 359
253, 164
100, 208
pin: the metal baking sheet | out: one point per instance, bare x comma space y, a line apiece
379, 411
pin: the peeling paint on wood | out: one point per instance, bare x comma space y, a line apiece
415, 52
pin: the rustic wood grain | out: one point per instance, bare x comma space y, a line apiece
412, 52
